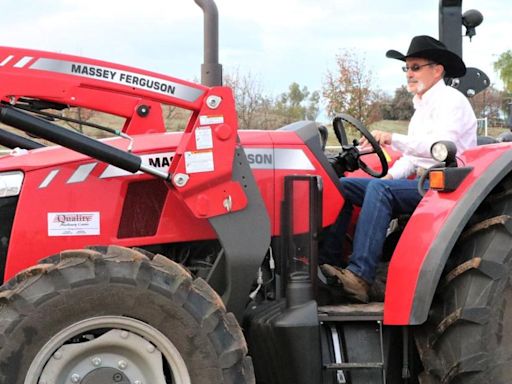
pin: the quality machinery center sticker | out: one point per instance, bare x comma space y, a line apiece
73, 223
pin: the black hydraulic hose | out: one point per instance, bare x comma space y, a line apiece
11, 140
69, 139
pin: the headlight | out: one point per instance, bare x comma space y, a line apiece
10, 183
444, 151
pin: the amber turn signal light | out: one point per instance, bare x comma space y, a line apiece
447, 179
437, 180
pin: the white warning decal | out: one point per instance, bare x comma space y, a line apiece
199, 161
205, 120
204, 137
73, 223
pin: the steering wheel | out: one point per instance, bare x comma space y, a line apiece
339, 131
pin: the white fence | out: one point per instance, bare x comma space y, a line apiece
481, 126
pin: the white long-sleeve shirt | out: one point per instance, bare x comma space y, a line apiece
442, 113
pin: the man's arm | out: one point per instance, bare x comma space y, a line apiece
452, 121
402, 168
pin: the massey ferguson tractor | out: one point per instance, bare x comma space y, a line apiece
156, 257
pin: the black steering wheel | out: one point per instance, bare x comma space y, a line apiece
339, 131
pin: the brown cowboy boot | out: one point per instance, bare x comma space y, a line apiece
354, 286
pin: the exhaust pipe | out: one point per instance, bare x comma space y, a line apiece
76, 141
211, 70
450, 25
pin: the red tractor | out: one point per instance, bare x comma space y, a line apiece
160, 257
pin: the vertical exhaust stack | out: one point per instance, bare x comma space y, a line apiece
450, 25
451, 21
211, 70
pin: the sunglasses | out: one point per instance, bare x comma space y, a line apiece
416, 67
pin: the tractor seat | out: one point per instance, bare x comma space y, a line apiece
483, 140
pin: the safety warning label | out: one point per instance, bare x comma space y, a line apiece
204, 120
199, 161
204, 137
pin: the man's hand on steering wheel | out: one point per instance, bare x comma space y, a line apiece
368, 140
381, 137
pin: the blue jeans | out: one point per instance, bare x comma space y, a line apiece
380, 201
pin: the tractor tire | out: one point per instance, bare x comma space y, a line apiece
115, 315
468, 335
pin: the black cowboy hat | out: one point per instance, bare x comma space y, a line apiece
427, 47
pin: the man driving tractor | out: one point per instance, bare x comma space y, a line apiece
441, 113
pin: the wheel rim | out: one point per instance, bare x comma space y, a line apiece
127, 348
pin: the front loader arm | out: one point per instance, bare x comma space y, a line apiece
68, 80
203, 165
209, 171
204, 159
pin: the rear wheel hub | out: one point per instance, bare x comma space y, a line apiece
107, 376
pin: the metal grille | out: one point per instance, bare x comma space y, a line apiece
7, 210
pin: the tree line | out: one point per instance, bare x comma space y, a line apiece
350, 88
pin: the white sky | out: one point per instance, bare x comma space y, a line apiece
277, 41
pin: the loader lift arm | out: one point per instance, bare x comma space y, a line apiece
209, 171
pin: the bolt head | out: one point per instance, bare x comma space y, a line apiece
96, 361
57, 355
180, 179
213, 101
150, 348
75, 378
124, 334
122, 364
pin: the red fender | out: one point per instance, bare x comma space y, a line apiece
433, 229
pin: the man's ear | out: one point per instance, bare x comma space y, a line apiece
439, 70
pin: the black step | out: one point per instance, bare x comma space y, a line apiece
352, 312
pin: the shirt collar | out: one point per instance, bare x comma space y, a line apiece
430, 95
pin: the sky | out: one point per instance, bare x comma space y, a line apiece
277, 42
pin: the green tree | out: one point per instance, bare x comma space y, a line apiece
348, 89
402, 107
504, 67
258, 111
297, 104
488, 103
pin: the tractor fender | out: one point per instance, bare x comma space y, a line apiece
428, 238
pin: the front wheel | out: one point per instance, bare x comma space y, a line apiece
112, 315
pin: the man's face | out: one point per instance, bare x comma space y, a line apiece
426, 75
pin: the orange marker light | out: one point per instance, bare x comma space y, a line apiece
437, 180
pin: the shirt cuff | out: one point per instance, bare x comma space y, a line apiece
398, 141
395, 173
